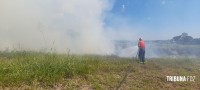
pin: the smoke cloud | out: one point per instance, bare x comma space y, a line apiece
55, 24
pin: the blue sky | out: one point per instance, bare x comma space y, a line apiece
155, 19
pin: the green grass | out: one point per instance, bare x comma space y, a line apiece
34, 70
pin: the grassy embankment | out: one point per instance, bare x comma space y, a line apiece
32, 70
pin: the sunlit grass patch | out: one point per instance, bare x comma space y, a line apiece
34, 70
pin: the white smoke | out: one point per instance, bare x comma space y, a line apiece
129, 52
59, 24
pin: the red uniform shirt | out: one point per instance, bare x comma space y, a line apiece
141, 44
